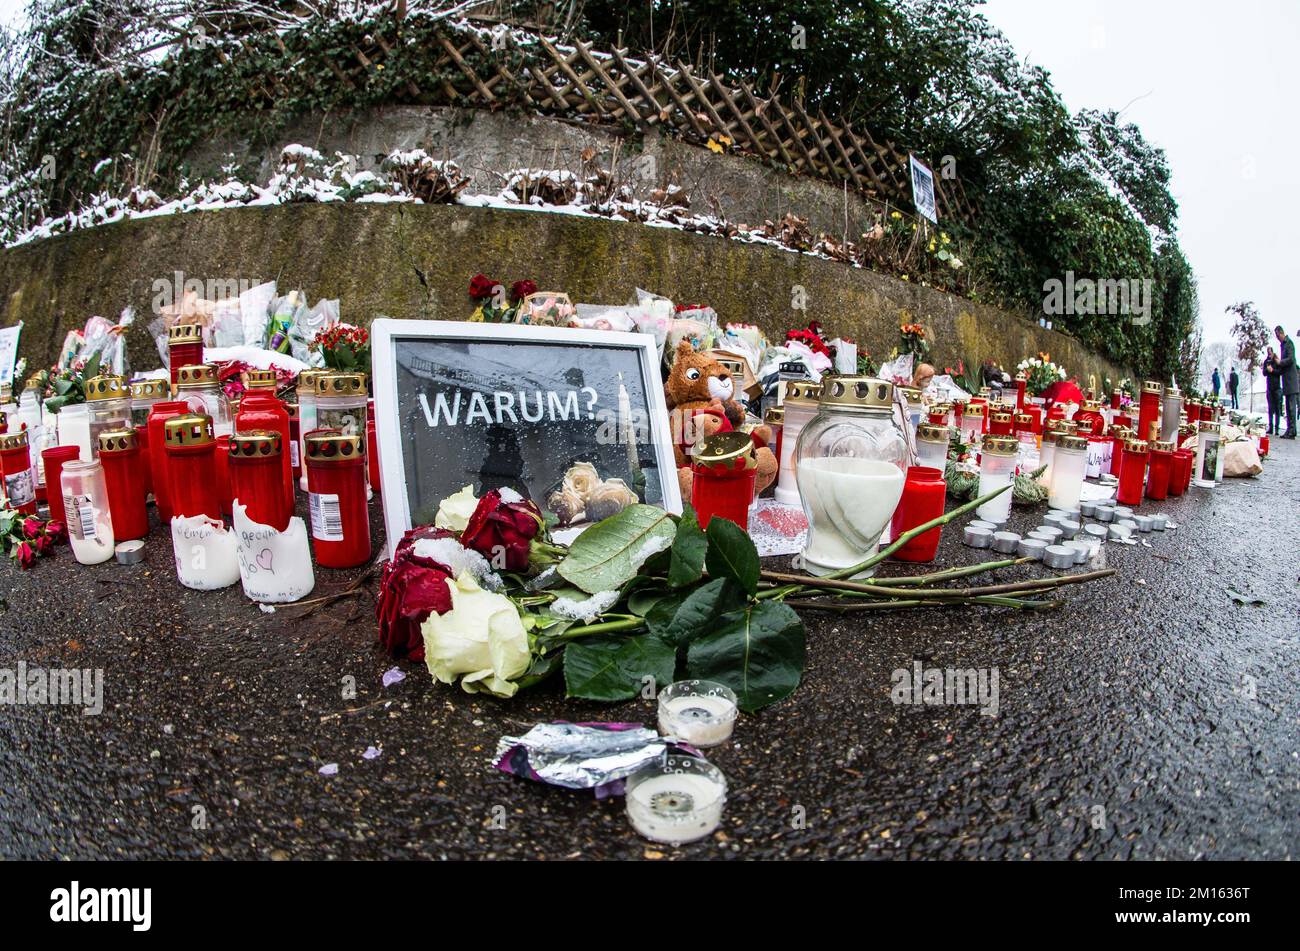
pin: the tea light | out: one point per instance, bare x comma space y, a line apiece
1096, 532
1159, 521
1032, 548
1068, 528
1088, 508
976, 537
1058, 556
1056, 517
1120, 532
1123, 511
1081, 550
1104, 513
1006, 542
699, 712
1049, 533
677, 800
129, 553
980, 523
1129, 523
1143, 522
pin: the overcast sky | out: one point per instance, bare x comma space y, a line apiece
1214, 85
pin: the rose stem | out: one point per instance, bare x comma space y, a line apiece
876, 590
841, 608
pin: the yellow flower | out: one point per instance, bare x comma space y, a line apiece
895, 215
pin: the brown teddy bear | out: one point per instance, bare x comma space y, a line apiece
701, 401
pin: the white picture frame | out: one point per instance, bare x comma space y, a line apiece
387, 332
923, 190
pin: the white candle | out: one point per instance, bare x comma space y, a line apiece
679, 800
699, 712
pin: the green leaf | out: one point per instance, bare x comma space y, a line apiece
643, 600
687, 564
732, 554
702, 608
757, 651
608, 555
614, 667
540, 669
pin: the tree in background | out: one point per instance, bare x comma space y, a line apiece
1252, 337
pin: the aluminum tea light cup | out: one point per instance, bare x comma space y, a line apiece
1123, 511
1096, 532
1120, 532
981, 523
976, 537
1088, 508
1104, 513
1008, 543
1031, 548
1081, 549
699, 712
1049, 533
1144, 523
1159, 522
1058, 557
677, 800
1069, 529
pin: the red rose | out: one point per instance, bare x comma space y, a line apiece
43, 544
31, 526
57, 530
481, 287
410, 589
25, 554
502, 532
521, 289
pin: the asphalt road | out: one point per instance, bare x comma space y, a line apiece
1153, 717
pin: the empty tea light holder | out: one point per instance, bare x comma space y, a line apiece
676, 800
698, 712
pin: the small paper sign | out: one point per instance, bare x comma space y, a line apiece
275, 567
206, 556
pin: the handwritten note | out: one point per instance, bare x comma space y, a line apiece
205, 553
275, 567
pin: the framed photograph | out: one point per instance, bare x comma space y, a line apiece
573, 419
923, 190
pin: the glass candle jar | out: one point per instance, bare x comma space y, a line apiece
184, 348
774, 419
972, 424
144, 394
1132, 472
932, 446
922, 501
1068, 467
30, 419
221, 463
336, 485
190, 446
108, 401
85, 504
19, 475
676, 800
1160, 465
1149, 410
55, 458
722, 484
261, 409
1170, 411
1116, 399
851, 461
1209, 461
341, 402
306, 393
1099, 448
800, 406
938, 414
997, 469
200, 389
159, 471
74, 428
915, 408
1180, 475
1046, 454
699, 712
1002, 423
256, 477
119, 455
372, 447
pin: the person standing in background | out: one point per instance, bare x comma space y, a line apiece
1273, 391
1233, 382
1215, 382
1290, 378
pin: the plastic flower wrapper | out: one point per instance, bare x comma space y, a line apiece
454, 511
481, 640
507, 529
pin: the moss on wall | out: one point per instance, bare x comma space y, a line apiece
415, 261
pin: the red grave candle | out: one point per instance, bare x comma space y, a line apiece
1001, 424
723, 483
54, 458
372, 447
1132, 472
1149, 409
1119, 436
295, 442
184, 347
119, 453
255, 473
159, 414
1089, 419
923, 497
221, 462
1180, 476
1116, 397
260, 409
19, 475
336, 488
191, 466
1158, 473
1021, 382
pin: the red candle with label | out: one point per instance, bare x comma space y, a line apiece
1132, 472
923, 497
372, 447
19, 475
1089, 419
191, 466
1021, 383
184, 347
119, 454
1159, 470
221, 462
1001, 424
295, 442
723, 483
54, 458
261, 409
255, 472
1180, 470
159, 414
336, 487
1149, 410
1116, 398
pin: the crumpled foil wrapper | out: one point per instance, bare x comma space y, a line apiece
596, 756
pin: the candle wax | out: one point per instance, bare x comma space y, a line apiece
849, 502
676, 807
701, 720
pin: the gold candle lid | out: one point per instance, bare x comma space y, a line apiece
775, 416
196, 374
1123, 432
805, 390
329, 444
106, 388
1208, 426
150, 390
1001, 416
307, 381
341, 384
184, 333
1136, 445
1001, 445
1024, 419
16, 440
974, 409
33, 382
1152, 386
188, 429
1066, 441
1092, 406
911, 394
857, 391
254, 444
1163, 445
118, 440
733, 449
260, 379
930, 432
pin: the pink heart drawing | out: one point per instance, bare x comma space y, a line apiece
264, 560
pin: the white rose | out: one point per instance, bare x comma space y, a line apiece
455, 510
481, 640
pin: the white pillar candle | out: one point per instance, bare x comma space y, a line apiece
676, 801
274, 567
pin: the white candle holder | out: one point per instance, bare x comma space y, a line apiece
698, 712
676, 801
